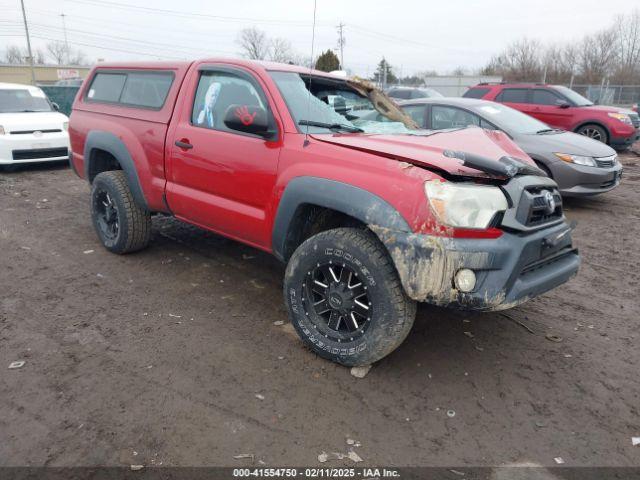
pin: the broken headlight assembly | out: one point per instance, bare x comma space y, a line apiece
577, 159
464, 205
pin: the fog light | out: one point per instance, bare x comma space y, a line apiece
465, 280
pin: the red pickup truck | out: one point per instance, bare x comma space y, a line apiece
370, 216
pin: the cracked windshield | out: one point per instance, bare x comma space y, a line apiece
335, 106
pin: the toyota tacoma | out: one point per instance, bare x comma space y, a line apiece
370, 217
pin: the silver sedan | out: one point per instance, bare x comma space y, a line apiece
579, 165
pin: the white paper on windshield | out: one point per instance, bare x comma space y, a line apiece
91, 93
490, 110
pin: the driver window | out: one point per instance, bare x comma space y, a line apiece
544, 97
216, 92
451, 117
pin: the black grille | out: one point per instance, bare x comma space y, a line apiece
538, 212
40, 153
635, 119
606, 162
28, 132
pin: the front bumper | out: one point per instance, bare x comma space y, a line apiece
579, 180
28, 148
509, 270
624, 141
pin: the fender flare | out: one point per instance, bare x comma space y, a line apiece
108, 142
348, 199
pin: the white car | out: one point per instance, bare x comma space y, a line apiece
31, 128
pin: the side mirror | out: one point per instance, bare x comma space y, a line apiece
55, 106
248, 119
564, 105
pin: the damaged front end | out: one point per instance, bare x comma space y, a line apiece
523, 252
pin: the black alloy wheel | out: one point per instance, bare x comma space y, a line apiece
337, 302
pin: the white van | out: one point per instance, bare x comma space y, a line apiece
31, 128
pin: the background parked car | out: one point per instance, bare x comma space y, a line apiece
71, 82
407, 93
579, 165
31, 128
561, 107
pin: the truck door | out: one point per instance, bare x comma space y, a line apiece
220, 178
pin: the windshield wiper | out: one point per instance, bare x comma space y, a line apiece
331, 126
545, 130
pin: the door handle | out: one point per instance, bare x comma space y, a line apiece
184, 143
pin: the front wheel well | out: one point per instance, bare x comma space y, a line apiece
541, 165
596, 124
310, 220
101, 161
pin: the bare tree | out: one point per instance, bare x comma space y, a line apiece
280, 50
14, 54
58, 51
39, 57
78, 57
254, 43
559, 62
597, 55
523, 60
520, 61
628, 46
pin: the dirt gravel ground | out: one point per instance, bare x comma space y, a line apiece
172, 356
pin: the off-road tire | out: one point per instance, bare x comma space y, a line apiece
360, 253
594, 131
133, 227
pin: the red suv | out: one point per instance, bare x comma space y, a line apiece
561, 107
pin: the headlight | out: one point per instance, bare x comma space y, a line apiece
464, 205
65, 126
623, 117
1, 130
577, 159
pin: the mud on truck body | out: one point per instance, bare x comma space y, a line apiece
370, 216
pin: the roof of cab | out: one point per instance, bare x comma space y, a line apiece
252, 64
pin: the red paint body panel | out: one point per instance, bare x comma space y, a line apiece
232, 183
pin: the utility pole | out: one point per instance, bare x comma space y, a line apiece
26, 29
66, 40
341, 43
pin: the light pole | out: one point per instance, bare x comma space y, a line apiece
341, 44
26, 29
66, 41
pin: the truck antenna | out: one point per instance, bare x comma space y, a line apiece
313, 39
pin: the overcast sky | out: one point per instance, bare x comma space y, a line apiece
413, 35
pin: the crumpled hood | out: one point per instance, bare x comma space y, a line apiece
427, 150
21, 121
